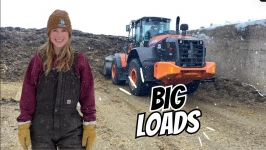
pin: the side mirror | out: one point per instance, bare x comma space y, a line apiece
184, 27
128, 28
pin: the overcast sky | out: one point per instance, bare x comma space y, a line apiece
110, 17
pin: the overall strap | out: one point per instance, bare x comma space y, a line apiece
75, 59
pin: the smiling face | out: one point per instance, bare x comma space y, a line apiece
59, 37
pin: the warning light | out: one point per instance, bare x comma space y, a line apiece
170, 51
171, 70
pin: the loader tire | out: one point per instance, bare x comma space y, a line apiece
135, 75
115, 75
105, 71
192, 86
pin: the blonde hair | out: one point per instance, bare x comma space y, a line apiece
64, 60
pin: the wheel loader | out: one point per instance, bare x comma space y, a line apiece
155, 55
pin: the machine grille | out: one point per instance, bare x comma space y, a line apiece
191, 53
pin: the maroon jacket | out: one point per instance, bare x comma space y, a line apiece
34, 71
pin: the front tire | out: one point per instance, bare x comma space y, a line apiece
192, 86
135, 75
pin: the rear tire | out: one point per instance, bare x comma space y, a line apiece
192, 86
114, 75
105, 71
135, 75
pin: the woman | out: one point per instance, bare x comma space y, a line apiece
57, 79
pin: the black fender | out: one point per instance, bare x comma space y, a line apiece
122, 71
148, 57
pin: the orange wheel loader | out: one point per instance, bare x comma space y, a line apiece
156, 55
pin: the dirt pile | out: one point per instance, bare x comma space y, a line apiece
18, 45
232, 90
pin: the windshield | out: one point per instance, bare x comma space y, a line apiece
148, 27
155, 26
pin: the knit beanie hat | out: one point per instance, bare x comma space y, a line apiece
59, 19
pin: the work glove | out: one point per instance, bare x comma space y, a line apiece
89, 135
24, 135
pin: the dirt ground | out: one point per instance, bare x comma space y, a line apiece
233, 117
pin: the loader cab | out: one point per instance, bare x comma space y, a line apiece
143, 29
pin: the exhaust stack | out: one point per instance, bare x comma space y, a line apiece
177, 25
